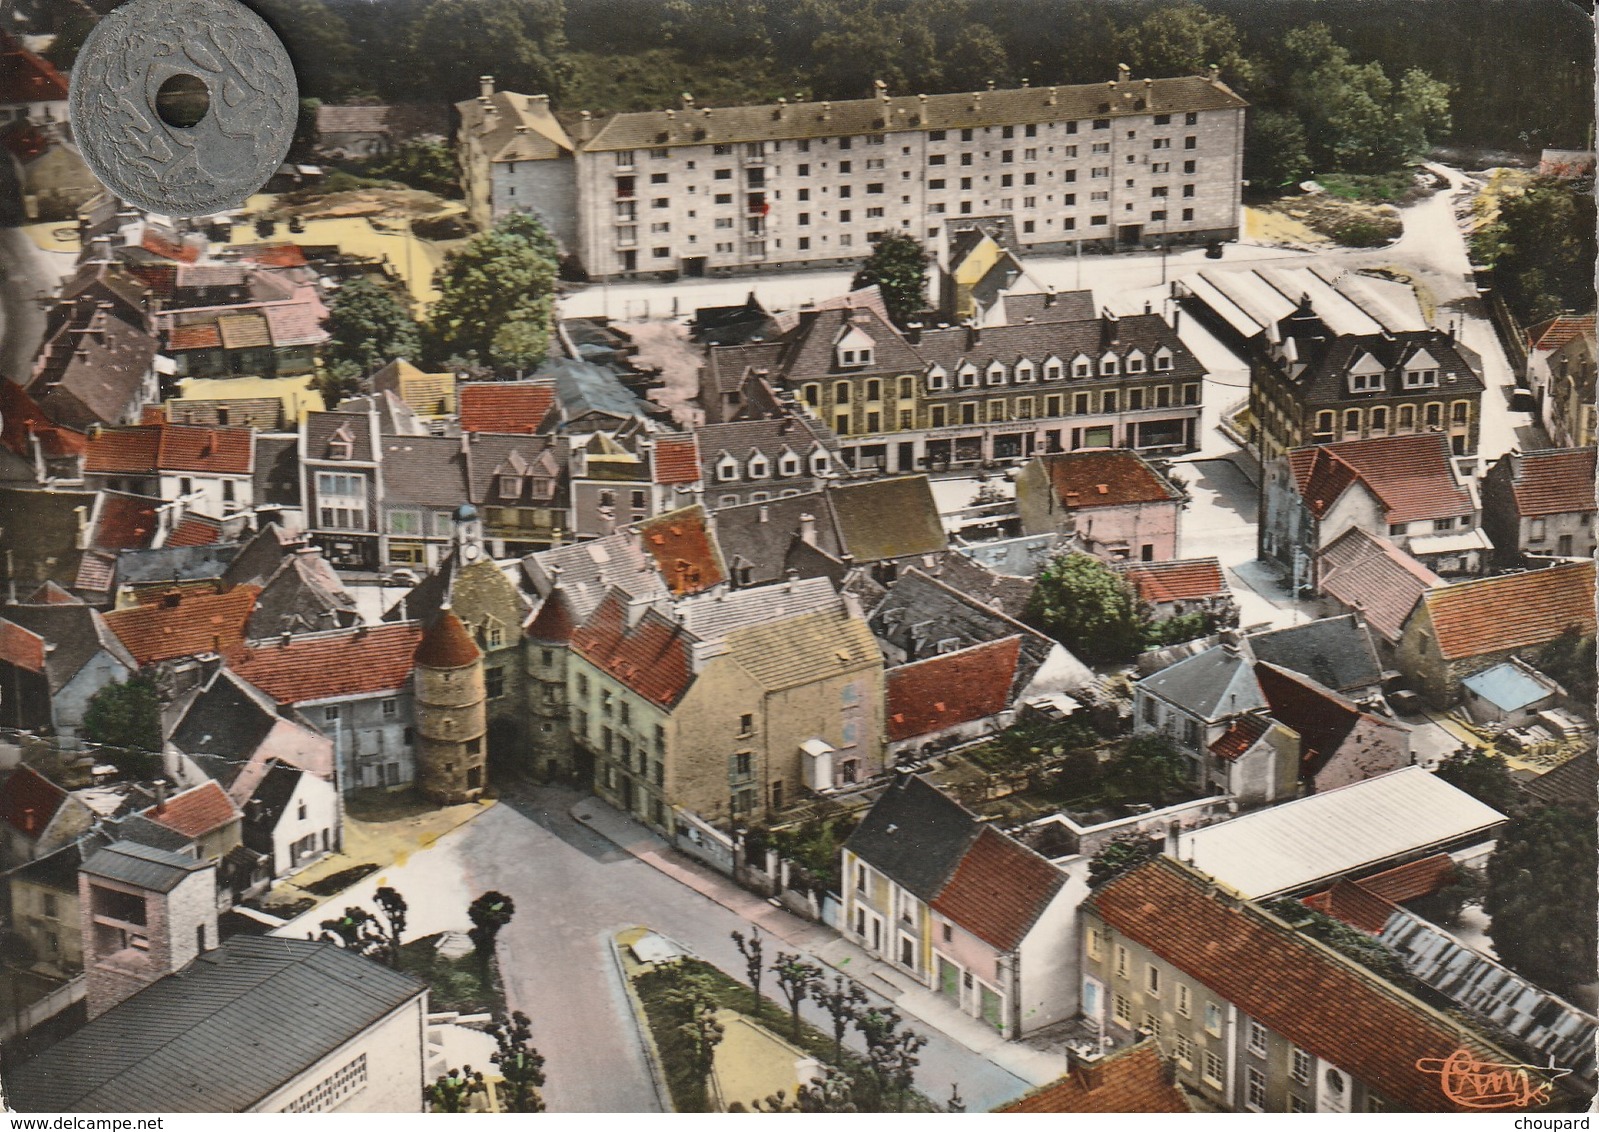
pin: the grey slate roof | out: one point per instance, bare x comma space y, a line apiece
952, 347
1325, 379
224, 725
587, 570
1336, 652
303, 595
76, 632
582, 388
59, 870
882, 519
1213, 685
320, 428
142, 831
276, 477
272, 796
40, 530
429, 471
175, 563
1004, 592
1062, 306
709, 616
798, 434
761, 536
914, 835
1574, 782
142, 866
488, 452
221, 1035
259, 556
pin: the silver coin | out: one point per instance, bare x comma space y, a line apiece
183, 170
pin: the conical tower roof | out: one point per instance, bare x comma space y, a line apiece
447, 644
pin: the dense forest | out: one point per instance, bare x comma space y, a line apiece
1519, 73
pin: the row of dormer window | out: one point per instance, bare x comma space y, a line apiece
1375, 381
996, 372
759, 467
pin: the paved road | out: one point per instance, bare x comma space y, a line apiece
574, 889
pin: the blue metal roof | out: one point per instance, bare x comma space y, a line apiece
1509, 687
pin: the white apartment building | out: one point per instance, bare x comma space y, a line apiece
697, 191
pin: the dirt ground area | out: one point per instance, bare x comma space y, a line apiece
380, 830
1317, 221
665, 346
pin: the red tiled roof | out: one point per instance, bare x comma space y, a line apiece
1411, 475
1354, 905
1511, 611
28, 800
24, 140
1130, 1080
447, 644
1368, 903
21, 647
295, 323
161, 278
196, 812
1324, 1004
999, 890
1105, 478
1553, 333
677, 460
196, 530
131, 450
1375, 577
21, 418
195, 448
652, 657
52, 594
376, 658
685, 554
144, 448
27, 77
199, 623
275, 255
1242, 734
504, 406
155, 594
160, 245
201, 336
953, 688
95, 572
1553, 481
125, 522
1184, 579
1414, 880
555, 621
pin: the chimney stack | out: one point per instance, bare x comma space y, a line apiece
1123, 72
807, 531
485, 86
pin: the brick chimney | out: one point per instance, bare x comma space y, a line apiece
485, 86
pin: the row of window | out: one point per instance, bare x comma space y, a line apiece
1024, 409
757, 150
1375, 421
758, 467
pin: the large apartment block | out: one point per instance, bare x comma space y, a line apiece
709, 190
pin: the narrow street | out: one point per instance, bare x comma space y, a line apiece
24, 272
573, 890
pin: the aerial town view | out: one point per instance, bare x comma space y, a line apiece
833, 556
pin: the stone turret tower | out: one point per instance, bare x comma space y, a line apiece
450, 715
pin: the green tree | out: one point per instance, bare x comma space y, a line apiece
751, 948
359, 931
1088, 607
843, 1001
976, 58
898, 265
422, 163
1274, 150
1185, 39
832, 1092
496, 295
63, 49
1121, 855
1482, 774
1355, 117
1541, 898
521, 43
369, 326
795, 978
1542, 249
393, 913
1149, 768
127, 719
453, 1091
489, 913
521, 1066
1569, 660
891, 1053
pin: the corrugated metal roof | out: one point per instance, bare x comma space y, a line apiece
143, 867
218, 1036
1315, 839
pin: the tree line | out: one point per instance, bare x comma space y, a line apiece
1519, 72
